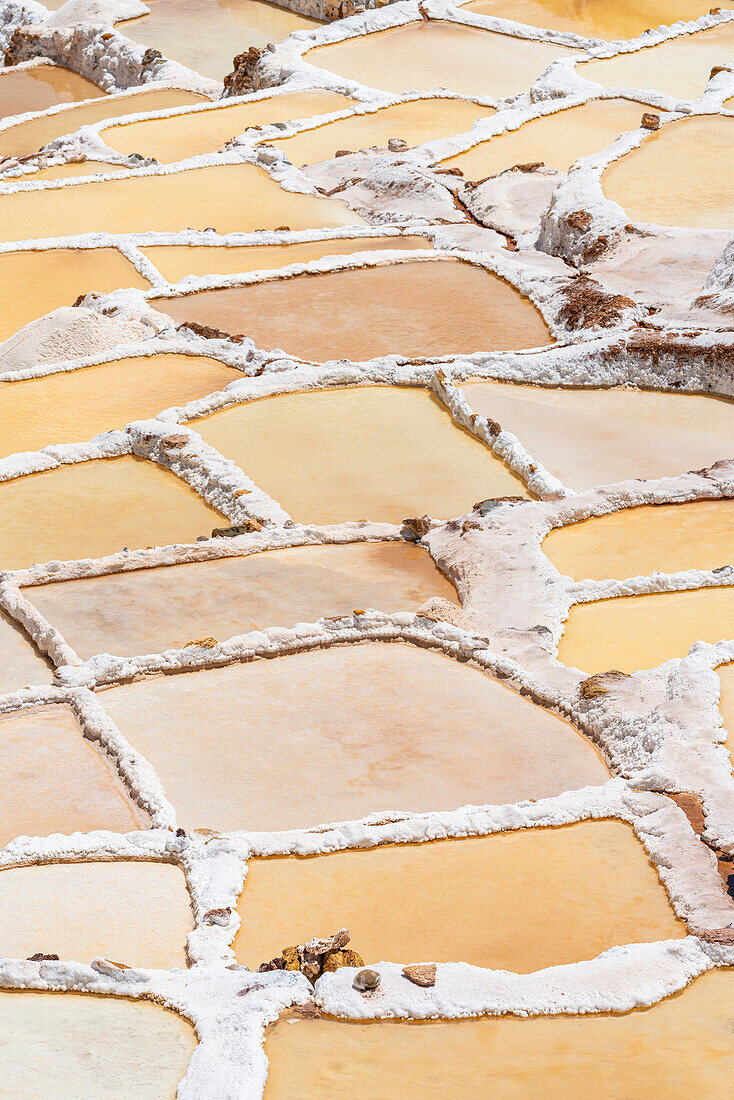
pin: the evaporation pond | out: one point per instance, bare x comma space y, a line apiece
426, 308
71, 1045
21, 665
556, 139
34, 283
186, 135
678, 1048
205, 35
516, 901
229, 198
591, 437
42, 86
679, 67
73, 406
398, 453
633, 542
135, 912
635, 632
54, 781
682, 153
726, 703
89, 509
376, 715
415, 122
150, 610
436, 54
176, 261
608, 19
28, 137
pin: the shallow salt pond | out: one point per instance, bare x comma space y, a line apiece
34, 283
54, 781
375, 715
187, 135
607, 19
549, 896
70, 1045
634, 542
73, 406
726, 703
68, 171
22, 665
206, 34
176, 261
589, 437
426, 308
637, 632
89, 509
682, 153
680, 1047
398, 453
416, 122
229, 198
679, 67
42, 86
133, 912
557, 140
437, 54
29, 137
150, 610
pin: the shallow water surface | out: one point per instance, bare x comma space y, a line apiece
22, 665
726, 703
375, 715
398, 453
42, 86
555, 896
607, 19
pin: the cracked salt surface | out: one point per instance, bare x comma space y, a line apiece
373, 425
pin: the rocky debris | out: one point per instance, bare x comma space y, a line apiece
594, 686
219, 917
244, 76
397, 145
415, 527
203, 643
423, 974
366, 981
579, 219
588, 305
340, 9
248, 527
337, 959
152, 57
484, 507
209, 333
173, 442
316, 957
439, 610
650, 121
40, 957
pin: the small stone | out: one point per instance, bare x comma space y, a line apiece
250, 526
423, 974
174, 441
291, 958
40, 957
594, 686
650, 121
337, 959
397, 145
366, 981
204, 643
219, 917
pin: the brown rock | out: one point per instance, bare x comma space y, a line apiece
423, 974
219, 917
335, 960
249, 526
650, 121
415, 527
204, 643
40, 957
366, 981
291, 958
579, 219
244, 75
594, 686
174, 441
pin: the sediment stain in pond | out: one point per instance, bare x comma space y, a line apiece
66, 1045
375, 715
73, 406
54, 781
679, 1047
416, 122
150, 610
633, 542
431, 307
589, 437
555, 896
137, 913
42, 86
34, 283
437, 54
683, 154
636, 632
608, 19
176, 261
229, 198
89, 509
397, 451
22, 665
187, 135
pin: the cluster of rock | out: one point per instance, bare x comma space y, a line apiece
317, 957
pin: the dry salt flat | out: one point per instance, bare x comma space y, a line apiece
367, 557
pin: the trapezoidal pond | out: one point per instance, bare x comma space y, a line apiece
137, 913
415, 308
375, 715
589, 437
555, 896
438, 54
21, 665
93, 508
608, 19
151, 610
414, 459
679, 1047
637, 632
63, 1046
55, 781
73, 406
42, 86
666, 538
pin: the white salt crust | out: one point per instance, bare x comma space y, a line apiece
659, 730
